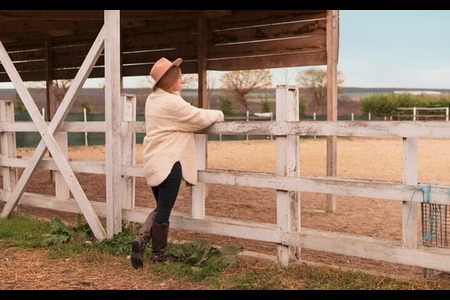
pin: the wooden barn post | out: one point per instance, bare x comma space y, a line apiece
332, 61
113, 121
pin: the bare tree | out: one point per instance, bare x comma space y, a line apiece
189, 80
59, 88
315, 81
288, 76
241, 83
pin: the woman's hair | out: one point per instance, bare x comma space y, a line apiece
169, 78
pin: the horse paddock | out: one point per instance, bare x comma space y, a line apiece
357, 158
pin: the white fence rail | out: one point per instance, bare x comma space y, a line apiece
286, 233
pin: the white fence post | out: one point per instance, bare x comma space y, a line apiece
287, 164
128, 149
8, 147
85, 133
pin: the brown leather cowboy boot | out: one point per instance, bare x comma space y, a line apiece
140, 242
160, 233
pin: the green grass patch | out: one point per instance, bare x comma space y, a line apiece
200, 262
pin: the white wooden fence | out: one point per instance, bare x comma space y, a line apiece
287, 232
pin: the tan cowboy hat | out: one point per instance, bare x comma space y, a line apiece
161, 67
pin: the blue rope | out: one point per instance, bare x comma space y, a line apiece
433, 213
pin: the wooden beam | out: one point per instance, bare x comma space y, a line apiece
269, 32
113, 144
49, 25
243, 18
313, 43
48, 140
269, 61
332, 100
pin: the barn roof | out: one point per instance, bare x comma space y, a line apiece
51, 44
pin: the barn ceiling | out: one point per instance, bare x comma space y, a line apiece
43, 43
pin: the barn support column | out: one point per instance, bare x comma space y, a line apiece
199, 191
332, 61
48, 140
113, 116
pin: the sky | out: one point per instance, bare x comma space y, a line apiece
395, 48
377, 48
387, 48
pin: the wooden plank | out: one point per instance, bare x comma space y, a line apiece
392, 129
354, 188
335, 242
128, 110
332, 35
269, 61
410, 210
27, 55
62, 191
81, 166
198, 192
372, 248
35, 25
272, 47
72, 126
243, 18
113, 117
35, 65
161, 39
8, 147
282, 199
268, 32
48, 140
202, 55
53, 14
24, 42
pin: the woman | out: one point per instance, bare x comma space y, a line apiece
169, 154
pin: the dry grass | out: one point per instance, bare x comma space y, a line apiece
371, 159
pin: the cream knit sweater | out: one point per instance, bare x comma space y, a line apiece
170, 126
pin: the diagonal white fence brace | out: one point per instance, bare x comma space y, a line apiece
48, 140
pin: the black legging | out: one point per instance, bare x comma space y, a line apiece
166, 194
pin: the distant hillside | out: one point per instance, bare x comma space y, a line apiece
358, 90
349, 99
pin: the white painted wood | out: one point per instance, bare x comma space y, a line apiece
345, 187
335, 242
288, 205
8, 147
410, 210
128, 149
113, 117
419, 129
84, 166
293, 167
287, 232
198, 192
396, 251
97, 126
62, 190
347, 244
47, 135
384, 190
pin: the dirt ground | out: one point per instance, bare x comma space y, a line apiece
370, 159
